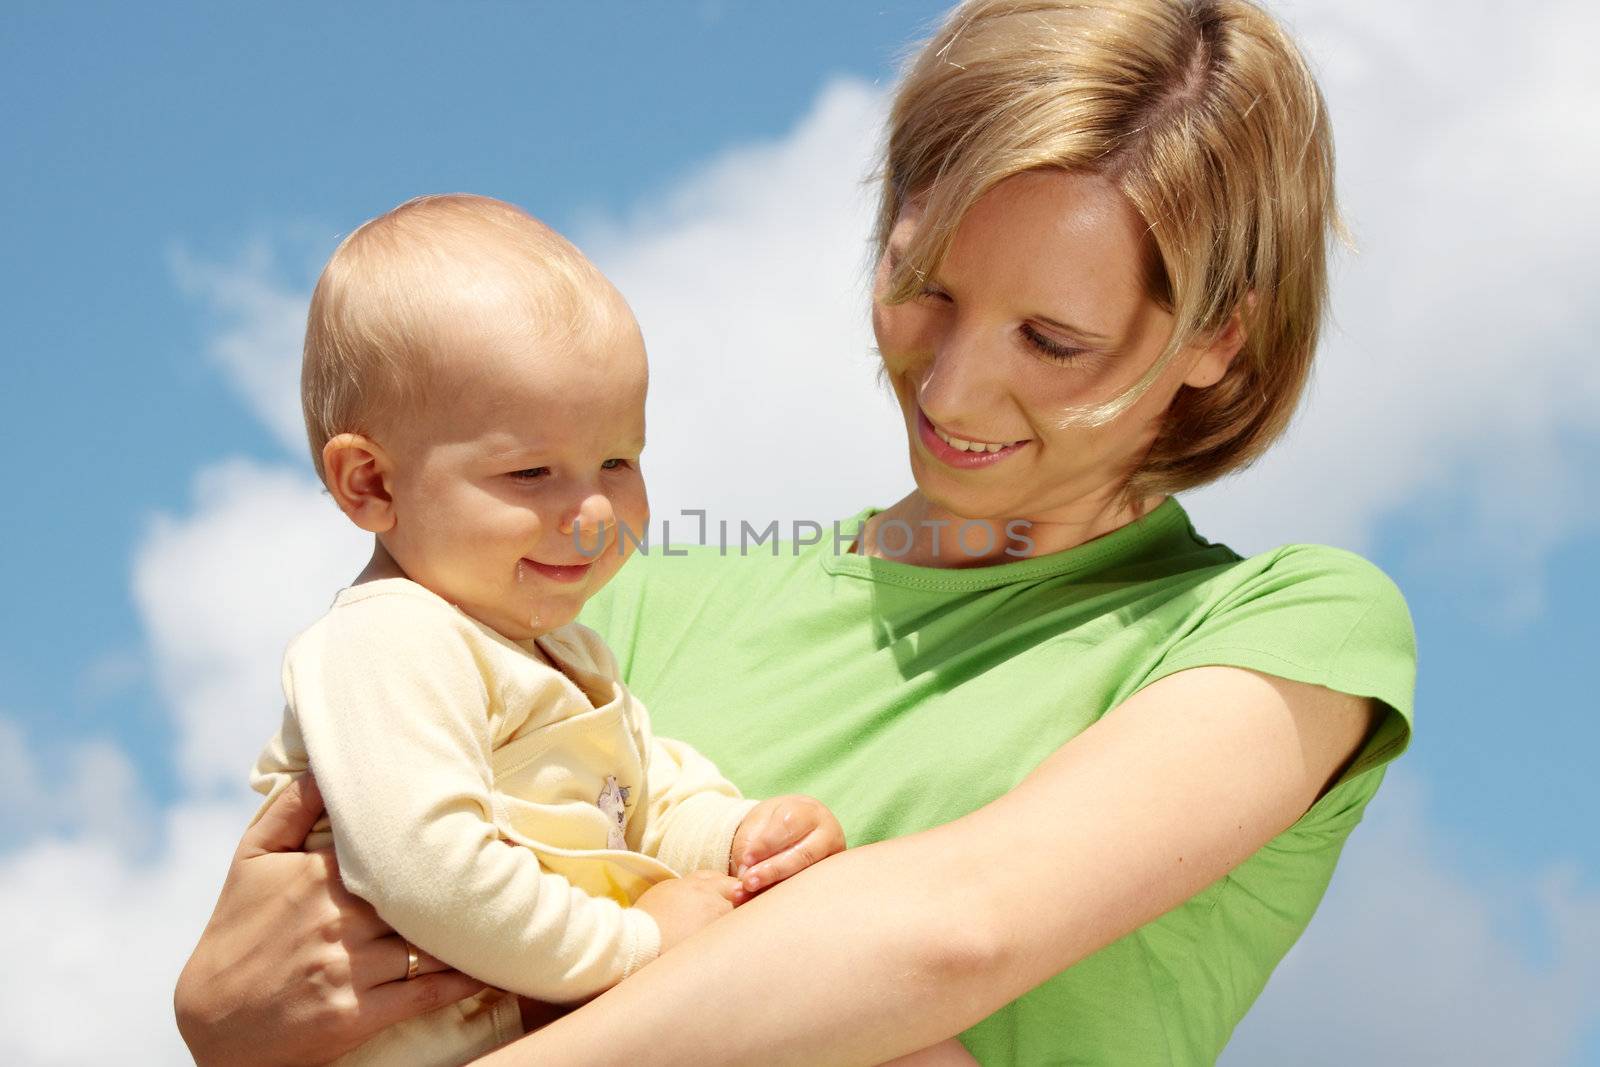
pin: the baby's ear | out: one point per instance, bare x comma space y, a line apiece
356, 471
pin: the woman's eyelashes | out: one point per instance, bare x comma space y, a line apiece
1051, 349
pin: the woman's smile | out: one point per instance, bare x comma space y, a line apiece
962, 452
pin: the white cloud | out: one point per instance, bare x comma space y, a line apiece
88, 790
749, 281
95, 939
103, 896
114, 894
262, 326
1459, 373
1407, 962
221, 591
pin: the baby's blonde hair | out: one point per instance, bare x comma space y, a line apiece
398, 289
1205, 115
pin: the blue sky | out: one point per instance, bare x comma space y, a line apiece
174, 176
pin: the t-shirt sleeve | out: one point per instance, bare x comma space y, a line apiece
1323, 616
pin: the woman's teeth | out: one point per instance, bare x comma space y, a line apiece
970, 446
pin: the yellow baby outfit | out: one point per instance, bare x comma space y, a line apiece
499, 812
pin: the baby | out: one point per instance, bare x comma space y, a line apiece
474, 394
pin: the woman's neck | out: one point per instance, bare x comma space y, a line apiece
919, 532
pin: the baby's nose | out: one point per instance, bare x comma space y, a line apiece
594, 520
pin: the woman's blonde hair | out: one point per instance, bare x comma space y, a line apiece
1206, 116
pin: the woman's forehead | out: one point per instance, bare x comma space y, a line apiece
1046, 234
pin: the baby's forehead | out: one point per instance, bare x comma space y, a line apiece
502, 377
463, 259
495, 345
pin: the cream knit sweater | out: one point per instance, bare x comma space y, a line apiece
498, 812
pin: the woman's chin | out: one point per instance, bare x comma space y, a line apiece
960, 499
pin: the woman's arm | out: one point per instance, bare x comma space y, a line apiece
890, 947
291, 968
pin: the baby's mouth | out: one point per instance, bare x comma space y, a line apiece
555, 572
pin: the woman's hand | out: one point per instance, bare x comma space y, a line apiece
292, 968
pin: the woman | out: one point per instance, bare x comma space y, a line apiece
1099, 768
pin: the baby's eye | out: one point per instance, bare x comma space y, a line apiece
613, 464
530, 474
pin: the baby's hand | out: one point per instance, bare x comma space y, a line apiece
682, 906
778, 839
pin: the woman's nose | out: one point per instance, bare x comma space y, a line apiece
957, 374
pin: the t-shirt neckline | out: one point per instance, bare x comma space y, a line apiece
1125, 542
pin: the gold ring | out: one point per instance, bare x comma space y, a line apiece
413, 960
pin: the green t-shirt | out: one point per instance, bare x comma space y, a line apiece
905, 697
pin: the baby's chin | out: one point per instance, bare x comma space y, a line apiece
547, 614
516, 618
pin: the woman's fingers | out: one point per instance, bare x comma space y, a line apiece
357, 921
395, 1002
384, 959
287, 820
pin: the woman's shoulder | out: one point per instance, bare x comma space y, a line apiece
1311, 613
1319, 597
1310, 603
1310, 571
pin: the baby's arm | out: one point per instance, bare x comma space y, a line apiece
393, 708
691, 812
694, 818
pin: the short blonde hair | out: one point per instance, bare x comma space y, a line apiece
1206, 116
401, 284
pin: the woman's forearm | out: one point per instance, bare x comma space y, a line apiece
859, 940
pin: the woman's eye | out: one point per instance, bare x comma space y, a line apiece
1052, 349
930, 293
530, 474
613, 464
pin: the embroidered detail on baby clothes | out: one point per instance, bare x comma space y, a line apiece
612, 800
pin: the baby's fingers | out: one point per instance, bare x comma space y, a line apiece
712, 882
791, 861
779, 828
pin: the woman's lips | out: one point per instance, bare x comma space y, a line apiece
557, 572
955, 457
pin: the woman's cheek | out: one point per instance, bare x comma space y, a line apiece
897, 328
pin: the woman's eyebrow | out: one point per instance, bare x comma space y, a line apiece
892, 253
